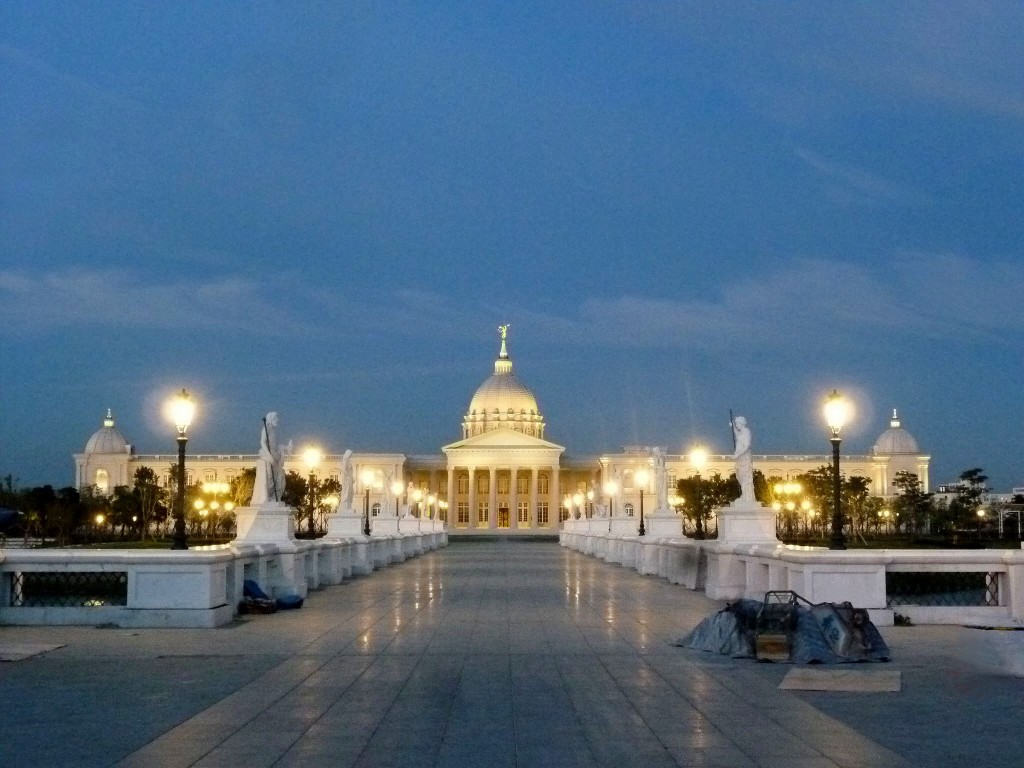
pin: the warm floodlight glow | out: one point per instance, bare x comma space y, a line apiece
180, 410
100, 519
611, 488
368, 476
198, 503
981, 512
229, 505
698, 457
311, 457
642, 476
397, 487
837, 411
330, 501
417, 495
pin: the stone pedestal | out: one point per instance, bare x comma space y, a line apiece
349, 525
664, 523
384, 525
272, 522
626, 526
746, 524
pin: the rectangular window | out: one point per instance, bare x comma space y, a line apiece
542, 513
483, 484
542, 484
522, 485
524, 513
481, 512
503, 484
463, 483
463, 519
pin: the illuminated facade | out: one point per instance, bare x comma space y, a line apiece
503, 475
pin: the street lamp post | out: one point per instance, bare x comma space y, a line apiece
699, 457
311, 457
182, 409
981, 518
610, 489
836, 414
368, 476
567, 503
396, 489
642, 476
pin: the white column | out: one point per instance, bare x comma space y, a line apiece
452, 503
513, 499
555, 504
472, 497
533, 498
492, 500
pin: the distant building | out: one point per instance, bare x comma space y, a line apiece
503, 475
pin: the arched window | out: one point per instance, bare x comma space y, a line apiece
629, 510
102, 480
375, 509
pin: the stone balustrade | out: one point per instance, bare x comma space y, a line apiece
198, 587
867, 578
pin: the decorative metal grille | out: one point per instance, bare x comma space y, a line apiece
69, 589
942, 588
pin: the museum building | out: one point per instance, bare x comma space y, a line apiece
503, 475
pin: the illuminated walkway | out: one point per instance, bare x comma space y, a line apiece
482, 654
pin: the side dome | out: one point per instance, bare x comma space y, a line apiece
107, 439
895, 439
503, 401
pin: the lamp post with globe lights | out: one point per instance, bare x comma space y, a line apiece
181, 410
837, 413
641, 477
698, 458
367, 476
610, 489
311, 457
396, 489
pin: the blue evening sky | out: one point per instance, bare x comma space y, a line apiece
326, 209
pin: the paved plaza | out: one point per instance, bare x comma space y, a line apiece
487, 653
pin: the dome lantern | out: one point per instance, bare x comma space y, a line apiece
895, 440
503, 401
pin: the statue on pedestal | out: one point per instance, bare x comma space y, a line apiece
660, 480
744, 464
348, 482
269, 484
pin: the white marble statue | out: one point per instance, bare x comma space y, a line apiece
409, 490
269, 485
348, 482
660, 479
386, 498
744, 465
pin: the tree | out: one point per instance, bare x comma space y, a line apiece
855, 493
970, 491
151, 499
242, 487
704, 494
911, 505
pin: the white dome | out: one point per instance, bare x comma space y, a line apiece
503, 401
107, 439
895, 439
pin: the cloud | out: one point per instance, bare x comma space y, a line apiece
850, 184
123, 299
802, 306
810, 303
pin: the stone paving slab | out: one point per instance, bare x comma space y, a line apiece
482, 654
22, 651
842, 679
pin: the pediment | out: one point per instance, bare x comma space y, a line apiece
503, 437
